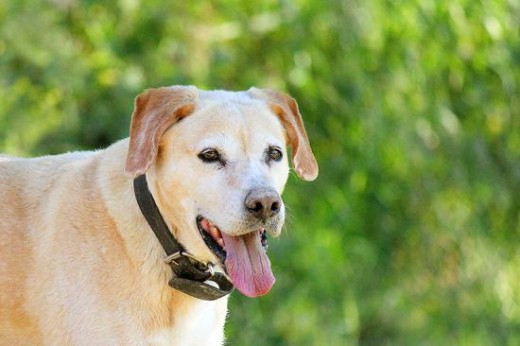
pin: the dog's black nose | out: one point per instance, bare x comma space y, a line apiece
263, 203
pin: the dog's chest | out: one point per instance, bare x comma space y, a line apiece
202, 323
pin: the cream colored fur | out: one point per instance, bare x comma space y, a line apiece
78, 263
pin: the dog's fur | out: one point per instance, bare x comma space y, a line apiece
79, 265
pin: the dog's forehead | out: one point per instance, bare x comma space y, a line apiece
206, 96
234, 115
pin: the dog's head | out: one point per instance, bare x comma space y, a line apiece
217, 163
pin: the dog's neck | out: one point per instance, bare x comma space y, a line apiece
142, 248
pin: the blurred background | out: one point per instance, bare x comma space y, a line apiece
409, 236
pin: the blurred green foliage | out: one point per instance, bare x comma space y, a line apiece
409, 236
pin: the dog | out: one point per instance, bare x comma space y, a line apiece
80, 263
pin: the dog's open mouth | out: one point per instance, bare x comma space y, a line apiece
212, 237
244, 257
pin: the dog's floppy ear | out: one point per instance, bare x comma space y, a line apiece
286, 108
155, 110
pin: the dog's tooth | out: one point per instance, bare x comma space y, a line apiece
220, 242
215, 233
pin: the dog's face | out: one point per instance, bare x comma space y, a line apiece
217, 165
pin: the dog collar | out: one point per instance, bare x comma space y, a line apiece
190, 275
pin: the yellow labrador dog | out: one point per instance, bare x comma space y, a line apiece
84, 255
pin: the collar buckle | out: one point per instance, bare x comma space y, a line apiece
179, 254
173, 259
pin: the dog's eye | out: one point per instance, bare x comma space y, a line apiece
274, 153
210, 155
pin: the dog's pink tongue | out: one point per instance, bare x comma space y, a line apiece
248, 265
